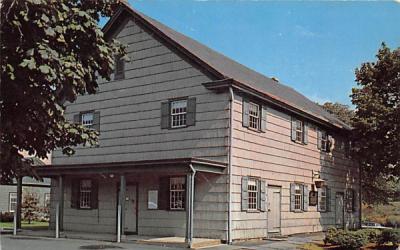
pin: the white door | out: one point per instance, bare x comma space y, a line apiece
339, 210
274, 209
130, 208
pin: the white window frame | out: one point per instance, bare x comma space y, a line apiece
85, 193
299, 130
322, 199
253, 195
298, 197
87, 119
177, 193
11, 197
178, 113
324, 141
254, 116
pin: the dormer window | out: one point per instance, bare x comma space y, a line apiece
299, 132
254, 116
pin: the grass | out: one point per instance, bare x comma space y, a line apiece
26, 225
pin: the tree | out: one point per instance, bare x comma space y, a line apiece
30, 207
51, 52
376, 123
341, 111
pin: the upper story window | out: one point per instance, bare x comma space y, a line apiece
85, 193
87, 119
178, 113
119, 71
177, 193
254, 116
12, 205
299, 131
324, 141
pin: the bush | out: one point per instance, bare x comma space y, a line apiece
6, 217
347, 239
372, 235
390, 236
393, 221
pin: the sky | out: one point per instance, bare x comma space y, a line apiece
311, 46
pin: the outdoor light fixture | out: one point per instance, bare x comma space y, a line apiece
316, 177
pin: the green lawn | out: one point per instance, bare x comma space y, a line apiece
25, 224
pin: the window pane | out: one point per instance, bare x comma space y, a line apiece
85, 193
87, 119
178, 113
12, 202
254, 116
252, 190
177, 193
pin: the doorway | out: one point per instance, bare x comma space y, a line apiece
339, 210
274, 209
130, 226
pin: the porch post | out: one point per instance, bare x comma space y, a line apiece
19, 202
121, 208
189, 208
61, 202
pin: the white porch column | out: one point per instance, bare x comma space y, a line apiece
121, 208
189, 206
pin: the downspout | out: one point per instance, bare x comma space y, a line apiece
191, 207
231, 102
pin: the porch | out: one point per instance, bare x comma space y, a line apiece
132, 200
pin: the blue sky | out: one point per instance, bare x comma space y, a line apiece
312, 46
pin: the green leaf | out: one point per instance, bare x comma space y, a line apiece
45, 69
50, 31
45, 18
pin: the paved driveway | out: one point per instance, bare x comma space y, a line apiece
8, 242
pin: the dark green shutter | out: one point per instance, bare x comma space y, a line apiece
75, 193
245, 194
163, 193
94, 195
319, 190
264, 118
263, 195
77, 118
165, 115
191, 112
305, 198
96, 121
292, 196
245, 114
305, 133
319, 139
293, 129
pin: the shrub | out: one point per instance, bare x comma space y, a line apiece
6, 217
390, 236
371, 234
393, 221
347, 239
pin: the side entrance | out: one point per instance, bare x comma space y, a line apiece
131, 211
274, 210
339, 210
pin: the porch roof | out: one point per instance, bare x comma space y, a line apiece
178, 165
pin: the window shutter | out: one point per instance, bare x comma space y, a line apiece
293, 133
163, 193
264, 118
191, 111
263, 195
77, 118
305, 134
319, 199
329, 148
94, 195
245, 194
96, 121
319, 138
75, 193
292, 196
165, 115
305, 198
245, 121
328, 199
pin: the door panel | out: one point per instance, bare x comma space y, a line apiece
339, 210
130, 208
274, 209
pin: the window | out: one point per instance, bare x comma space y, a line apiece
12, 205
298, 197
177, 193
299, 130
254, 116
85, 193
322, 199
178, 113
252, 189
46, 200
350, 200
87, 119
119, 72
324, 141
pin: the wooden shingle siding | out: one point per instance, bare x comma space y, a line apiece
274, 157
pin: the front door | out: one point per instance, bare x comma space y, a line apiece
130, 208
274, 209
339, 210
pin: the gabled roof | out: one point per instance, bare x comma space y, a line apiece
226, 68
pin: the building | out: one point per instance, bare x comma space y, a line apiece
195, 144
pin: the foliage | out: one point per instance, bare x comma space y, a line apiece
6, 217
372, 235
377, 121
385, 214
51, 52
341, 111
346, 239
30, 208
390, 236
